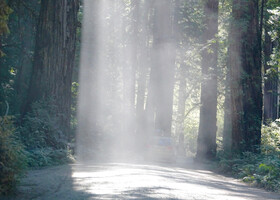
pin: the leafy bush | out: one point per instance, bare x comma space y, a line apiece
12, 156
260, 169
74, 105
271, 138
43, 136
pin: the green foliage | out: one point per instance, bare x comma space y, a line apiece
42, 135
273, 25
4, 16
12, 156
191, 130
5, 74
260, 169
18, 46
271, 138
74, 92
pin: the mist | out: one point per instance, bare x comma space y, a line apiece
132, 55
139, 99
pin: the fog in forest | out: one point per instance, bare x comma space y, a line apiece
139, 99
135, 60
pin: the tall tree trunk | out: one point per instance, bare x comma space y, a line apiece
271, 77
181, 108
270, 83
181, 74
163, 68
54, 56
227, 115
142, 70
206, 142
130, 56
246, 79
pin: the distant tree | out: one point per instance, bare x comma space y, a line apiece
143, 65
54, 56
227, 114
129, 66
182, 96
181, 75
271, 72
246, 78
163, 66
206, 141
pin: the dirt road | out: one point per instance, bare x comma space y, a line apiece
134, 181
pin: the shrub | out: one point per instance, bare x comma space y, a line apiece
43, 136
12, 156
271, 138
260, 169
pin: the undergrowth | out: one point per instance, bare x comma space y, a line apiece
39, 140
262, 169
45, 141
12, 156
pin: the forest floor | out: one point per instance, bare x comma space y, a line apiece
134, 181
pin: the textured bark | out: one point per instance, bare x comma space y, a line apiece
246, 79
54, 56
162, 71
206, 142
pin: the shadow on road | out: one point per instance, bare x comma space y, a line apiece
185, 180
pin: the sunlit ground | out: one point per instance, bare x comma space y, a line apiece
135, 181
181, 181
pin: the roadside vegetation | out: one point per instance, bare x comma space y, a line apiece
212, 88
38, 142
262, 170
13, 157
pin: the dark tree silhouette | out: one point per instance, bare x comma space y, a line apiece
54, 56
246, 79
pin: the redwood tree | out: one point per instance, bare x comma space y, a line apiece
54, 56
163, 67
246, 79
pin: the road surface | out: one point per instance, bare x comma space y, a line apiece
134, 181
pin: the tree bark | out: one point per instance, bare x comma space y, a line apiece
246, 79
206, 142
54, 56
